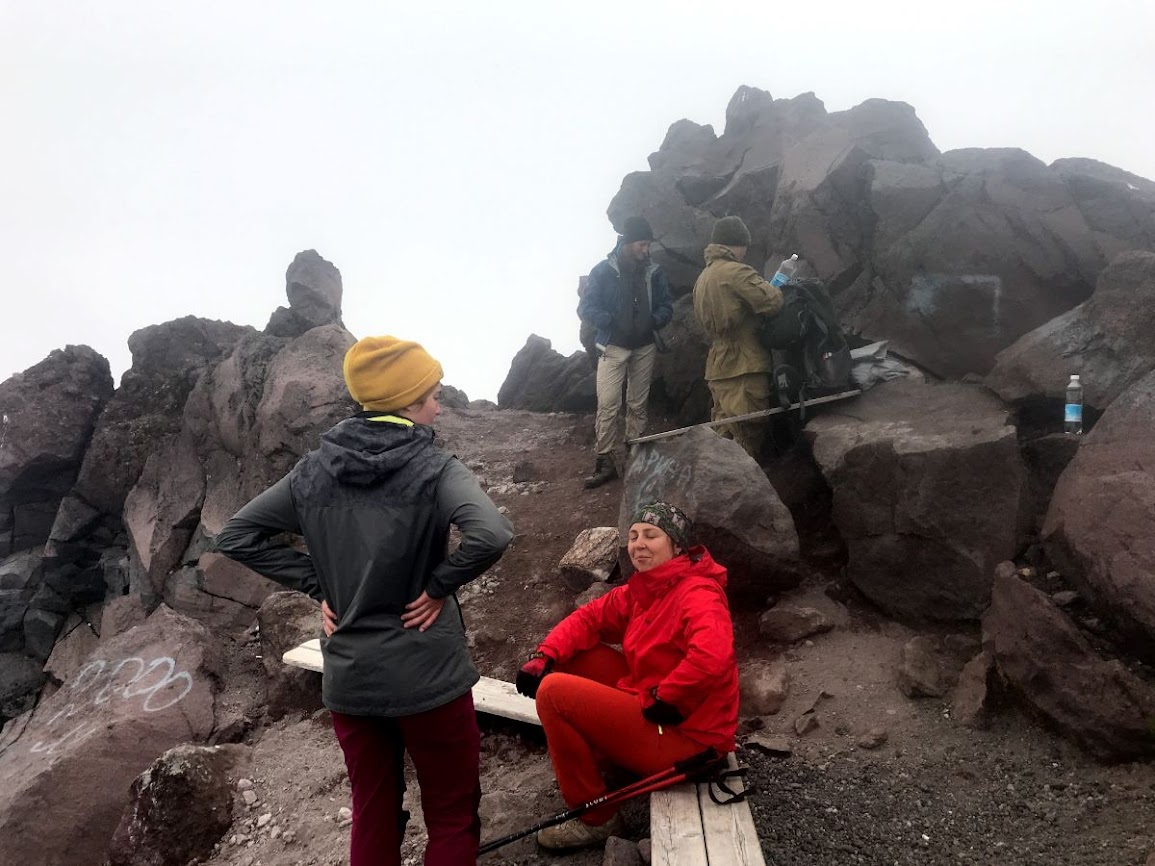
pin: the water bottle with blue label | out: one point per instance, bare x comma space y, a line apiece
1073, 414
785, 271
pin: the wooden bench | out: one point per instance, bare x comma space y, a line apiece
687, 828
495, 697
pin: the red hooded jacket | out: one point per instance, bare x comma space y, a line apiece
673, 624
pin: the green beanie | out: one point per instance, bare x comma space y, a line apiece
730, 231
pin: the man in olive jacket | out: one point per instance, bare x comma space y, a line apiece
729, 296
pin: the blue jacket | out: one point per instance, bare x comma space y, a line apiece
600, 300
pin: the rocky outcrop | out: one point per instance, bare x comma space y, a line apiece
592, 558
287, 620
542, 380
1107, 340
178, 808
313, 286
47, 414
928, 494
1045, 662
141, 693
1100, 529
736, 513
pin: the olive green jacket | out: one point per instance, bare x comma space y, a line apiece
729, 296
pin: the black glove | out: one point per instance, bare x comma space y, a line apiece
531, 674
662, 713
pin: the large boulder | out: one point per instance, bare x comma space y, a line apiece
542, 380
47, 414
1100, 529
287, 620
179, 808
737, 514
1107, 340
141, 693
313, 286
679, 387
1118, 206
1044, 660
167, 361
929, 494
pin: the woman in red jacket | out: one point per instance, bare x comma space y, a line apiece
671, 691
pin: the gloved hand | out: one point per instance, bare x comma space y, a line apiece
531, 674
662, 713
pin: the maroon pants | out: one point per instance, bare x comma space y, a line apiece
445, 746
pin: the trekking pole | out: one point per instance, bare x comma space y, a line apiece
692, 769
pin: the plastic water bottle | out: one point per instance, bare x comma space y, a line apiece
785, 271
1073, 414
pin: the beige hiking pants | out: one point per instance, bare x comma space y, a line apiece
634, 367
739, 395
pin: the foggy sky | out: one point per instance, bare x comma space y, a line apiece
455, 161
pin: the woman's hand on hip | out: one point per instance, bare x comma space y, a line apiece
328, 619
422, 612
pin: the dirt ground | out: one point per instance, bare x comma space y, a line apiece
935, 792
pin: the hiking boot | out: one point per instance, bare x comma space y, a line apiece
604, 470
575, 833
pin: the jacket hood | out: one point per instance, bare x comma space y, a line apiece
361, 452
717, 252
696, 562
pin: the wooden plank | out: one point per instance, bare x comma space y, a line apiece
676, 837
731, 839
495, 697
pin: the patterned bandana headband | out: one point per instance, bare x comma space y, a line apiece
668, 518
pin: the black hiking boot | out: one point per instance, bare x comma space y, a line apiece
604, 470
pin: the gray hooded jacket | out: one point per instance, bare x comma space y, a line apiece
374, 504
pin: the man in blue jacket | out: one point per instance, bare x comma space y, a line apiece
627, 301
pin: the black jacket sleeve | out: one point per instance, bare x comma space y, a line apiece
485, 532
246, 538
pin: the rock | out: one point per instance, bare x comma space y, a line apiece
141, 693
971, 702
288, 619
179, 808
167, 361
40, 630
1047, 664
1065, 598
1118, 206
1106, 339
873, 738
13, 607
21, 571
244, 784
592, 558
219, 592
313, 286
524, 470
644, 849
621, 852
928, 494
596, 590
805, 723
770, 745
250, 797
120, 615
20, 680
737, 514
679, 387
1045, 459
541, 380
1100, 529
923, 671
762, 688
453, 398
78, 640
48, 415
482, 405
788, 623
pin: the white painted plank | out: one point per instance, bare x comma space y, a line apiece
495, 697
676, 837
731, 839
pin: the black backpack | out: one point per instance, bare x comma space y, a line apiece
806, 331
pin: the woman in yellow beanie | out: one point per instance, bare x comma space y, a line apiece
374, 503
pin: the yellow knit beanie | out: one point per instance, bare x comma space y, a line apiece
385, 374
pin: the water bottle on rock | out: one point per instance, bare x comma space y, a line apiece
785, 271
1073, 414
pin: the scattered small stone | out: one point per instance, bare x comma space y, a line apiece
264, 819
873, 738
250, 798
289, 836
805, 724
275, 832
244, 784
247, 860
770, 744
1065, 598
621, 852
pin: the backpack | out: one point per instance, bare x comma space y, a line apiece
806, 331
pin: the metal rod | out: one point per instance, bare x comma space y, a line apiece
830, 398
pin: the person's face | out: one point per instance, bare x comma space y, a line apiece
649, 546
637, 250
427, 410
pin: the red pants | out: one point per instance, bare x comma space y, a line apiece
588, 723
445, 746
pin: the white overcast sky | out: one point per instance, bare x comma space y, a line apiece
455, 160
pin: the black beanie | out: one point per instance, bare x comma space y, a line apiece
636, 229
730, 231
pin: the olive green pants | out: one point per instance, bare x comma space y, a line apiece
739, 395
